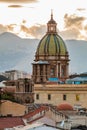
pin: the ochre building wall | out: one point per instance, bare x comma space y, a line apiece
11, 108
75, 94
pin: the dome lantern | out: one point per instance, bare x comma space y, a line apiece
51, 25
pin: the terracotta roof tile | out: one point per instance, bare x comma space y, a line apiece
9, 122
35, 112
65, 106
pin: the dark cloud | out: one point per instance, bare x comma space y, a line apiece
24, 21
18, 6
18, 1
15, 6
73, 20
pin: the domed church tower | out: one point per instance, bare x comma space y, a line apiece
51, 58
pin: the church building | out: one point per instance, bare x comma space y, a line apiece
51, 58
51, 69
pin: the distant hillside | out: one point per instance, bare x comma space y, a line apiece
17, 53
78, 55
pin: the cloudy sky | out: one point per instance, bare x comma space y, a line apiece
28, 18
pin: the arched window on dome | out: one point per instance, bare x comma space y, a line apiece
52, 72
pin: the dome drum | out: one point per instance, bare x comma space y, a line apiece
52, 57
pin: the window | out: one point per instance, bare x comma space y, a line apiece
27, 87
9, 115
30, 88
37, 96
63, 70
77, 97
52, 71
49, 97
64, 97
51, 28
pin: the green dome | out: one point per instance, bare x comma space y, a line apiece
51, 44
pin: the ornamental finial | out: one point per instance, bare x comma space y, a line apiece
51, 14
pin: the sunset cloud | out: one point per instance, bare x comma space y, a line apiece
85, 27
18, 1
27, 17
81, 9
36, 31
11, 27
73, 27
71, 33
3, 28
73, 20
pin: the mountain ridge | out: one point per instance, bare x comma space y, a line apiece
18, 53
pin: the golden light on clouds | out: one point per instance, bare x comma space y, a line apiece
15, 6
73, 20
81, 9
18, 1
28, 18
74, 27
16, 29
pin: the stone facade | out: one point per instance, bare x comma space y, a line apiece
57, 93
24, 91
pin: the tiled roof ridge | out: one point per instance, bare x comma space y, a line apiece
30, 114
30, 122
